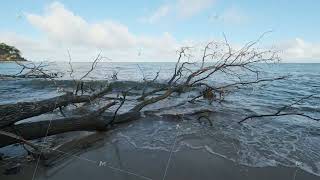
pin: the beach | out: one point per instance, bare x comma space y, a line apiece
114, 156
169, 141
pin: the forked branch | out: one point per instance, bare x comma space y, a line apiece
281, 111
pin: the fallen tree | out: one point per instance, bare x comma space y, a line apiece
240, 67
89, 122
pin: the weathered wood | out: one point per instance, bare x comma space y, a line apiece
90, 122
141, 105
11, 113
20, 139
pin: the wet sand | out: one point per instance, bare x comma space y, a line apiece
184, 165
112, 159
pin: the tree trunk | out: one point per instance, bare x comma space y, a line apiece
11, 113
91, 122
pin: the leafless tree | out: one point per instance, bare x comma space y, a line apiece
237, 66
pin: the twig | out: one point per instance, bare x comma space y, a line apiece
124, 95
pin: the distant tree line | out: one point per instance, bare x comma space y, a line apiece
10, 53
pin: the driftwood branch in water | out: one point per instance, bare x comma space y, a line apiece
281, 112
217, 59
153, 100
79, 84
32, 70
37, 130
95, 121
11, 113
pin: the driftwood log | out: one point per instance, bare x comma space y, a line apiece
90, 122
11, 113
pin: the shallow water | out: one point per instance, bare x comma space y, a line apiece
286, 142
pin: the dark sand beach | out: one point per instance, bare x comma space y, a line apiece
112, 155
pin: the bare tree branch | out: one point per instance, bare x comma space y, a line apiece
281, 113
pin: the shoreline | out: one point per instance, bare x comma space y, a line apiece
79, 159
183, 165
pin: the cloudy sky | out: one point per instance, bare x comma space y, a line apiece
144, 30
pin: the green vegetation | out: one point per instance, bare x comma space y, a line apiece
10, 53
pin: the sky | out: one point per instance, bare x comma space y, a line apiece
149, 31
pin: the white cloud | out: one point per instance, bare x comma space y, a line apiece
157, 15
188, 8
181, 8
231, 16
234, 15
64, 30
32, 49
63, 26
299, 49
